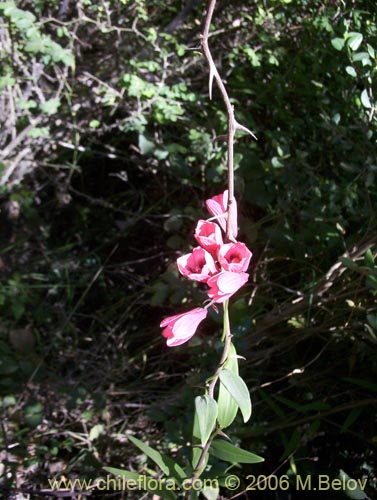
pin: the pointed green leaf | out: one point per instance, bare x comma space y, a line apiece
337, 43
230, 453
369, 259
366, 384
351, 418
238, 390
371, 51
206, 409
151, 453
146, 146
227, 406
142, 482
276, 408
166, 464
356, 493
289, 403
196, 446
354, 40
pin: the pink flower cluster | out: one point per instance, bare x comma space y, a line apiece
222, 266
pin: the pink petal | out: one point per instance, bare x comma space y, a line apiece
229, 282
217, 206
181, 327
169, 319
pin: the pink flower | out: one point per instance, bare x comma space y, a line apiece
208, 235
225, 284
217, 206
181, 327
197, 265
234, 257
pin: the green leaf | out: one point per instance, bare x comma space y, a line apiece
356, 493
351, 418
230, 453
354, 40
348, 263
166, 464
227, 406
8, 365
50, 107
372, 320
362, 57
6, 80
369, 259
33, 414
96, 431
211, 493
35, 44
36, 132
371, 51
141, 482
145, 145
26, 104
206, 409
289, 403
161, 154
338, 43
238, 390
196, 451
275, 407
351, 71
94, 124
366, 384
365, 99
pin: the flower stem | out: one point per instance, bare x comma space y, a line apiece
227, 339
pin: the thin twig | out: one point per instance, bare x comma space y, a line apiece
233, 125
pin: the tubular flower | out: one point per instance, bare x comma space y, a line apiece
234, 257
180, 328
217, 206
197, 265
208, 235
221, 266
223, 285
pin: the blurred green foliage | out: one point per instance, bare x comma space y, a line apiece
108, 151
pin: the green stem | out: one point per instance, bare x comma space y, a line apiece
226, 339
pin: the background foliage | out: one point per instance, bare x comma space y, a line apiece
107, 153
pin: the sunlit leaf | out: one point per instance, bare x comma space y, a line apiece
356, 493
238, 390
351, 71
206, 409
230, 453
354, 41
338, 43
146, 146
365, 99
166, 464
227, 406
